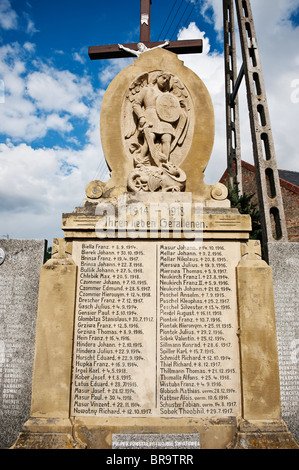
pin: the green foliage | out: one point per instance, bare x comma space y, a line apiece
245, 205
49, 253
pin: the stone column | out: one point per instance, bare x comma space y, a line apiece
49, 425
261, 425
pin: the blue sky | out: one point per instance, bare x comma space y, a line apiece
50, 94
62, 31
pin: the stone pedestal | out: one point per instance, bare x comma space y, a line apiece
155, 336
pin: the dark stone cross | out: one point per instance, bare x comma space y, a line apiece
115, 52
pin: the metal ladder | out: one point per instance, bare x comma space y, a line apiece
267, 178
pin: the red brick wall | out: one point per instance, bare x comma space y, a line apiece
291, 209
290, 196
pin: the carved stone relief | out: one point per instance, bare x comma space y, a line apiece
157, 129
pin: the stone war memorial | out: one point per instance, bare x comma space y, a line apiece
156, 322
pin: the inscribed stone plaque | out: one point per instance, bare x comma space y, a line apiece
156, 329
19, 281
155, 441
284, 260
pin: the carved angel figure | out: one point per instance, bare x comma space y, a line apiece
156, 114
156, 121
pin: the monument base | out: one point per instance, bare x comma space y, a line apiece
99, 432
42, 433
263, 435
204, 433
156, 327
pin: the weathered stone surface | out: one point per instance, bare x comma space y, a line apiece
284, 260
263, 434
97, 433
197, 107
155, 441
19, 283
261, 440
48, 433
258, 346
156, 326
37, 441
54, 338
211, 223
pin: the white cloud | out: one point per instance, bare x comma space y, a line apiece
78, 58
26, 178
278, 43
29, 46
2, 91
55, 90
38, 185
8, 17
58, 123
38, 101
278, 40
107, 74
210, 68
81, 55
30, 29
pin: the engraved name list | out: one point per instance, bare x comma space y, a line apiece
156, 329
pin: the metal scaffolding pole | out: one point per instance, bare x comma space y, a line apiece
267, 178
232, 83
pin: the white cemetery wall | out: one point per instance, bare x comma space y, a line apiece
21, 261
284, 260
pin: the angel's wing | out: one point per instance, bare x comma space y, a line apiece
179, 90
130, 120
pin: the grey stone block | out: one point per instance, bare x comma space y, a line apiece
155, 441
19, 282
284, 260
